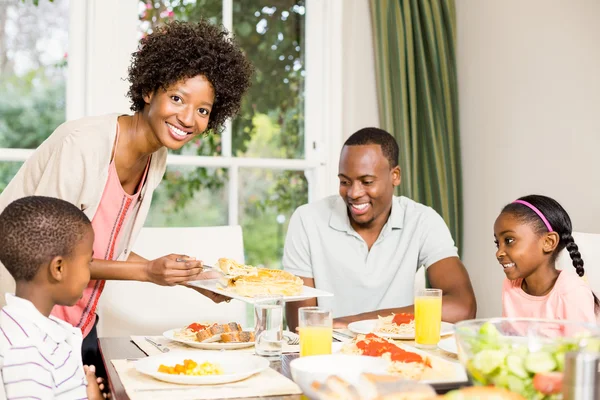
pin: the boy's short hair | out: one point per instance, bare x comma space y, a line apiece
34, 230
387, 142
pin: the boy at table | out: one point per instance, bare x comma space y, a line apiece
46, 245
366, 244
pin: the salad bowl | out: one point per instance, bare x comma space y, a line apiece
525, 356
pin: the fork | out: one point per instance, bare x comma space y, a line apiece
159, 346
291, 338
204, 266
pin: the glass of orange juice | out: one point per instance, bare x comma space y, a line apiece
316, 329
428, 317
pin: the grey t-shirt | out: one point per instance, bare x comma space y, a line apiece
321, 244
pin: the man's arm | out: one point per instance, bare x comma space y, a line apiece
291, 308
458, 298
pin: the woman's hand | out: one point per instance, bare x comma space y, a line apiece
167, 271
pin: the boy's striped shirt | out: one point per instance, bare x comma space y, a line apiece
40, 358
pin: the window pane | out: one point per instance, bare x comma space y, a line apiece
190, 196
267, 200
155, 12
8, 170
271, 122
33, 70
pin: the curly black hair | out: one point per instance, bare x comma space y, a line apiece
182, 50
35, 229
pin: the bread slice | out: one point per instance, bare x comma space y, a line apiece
230, 327
236, 337
217, 329
203, 335
393, 387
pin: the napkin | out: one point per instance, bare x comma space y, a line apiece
141, 387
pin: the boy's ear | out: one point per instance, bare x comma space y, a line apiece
57, 268
550, 242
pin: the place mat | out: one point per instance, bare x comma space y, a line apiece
151, 350
141, 387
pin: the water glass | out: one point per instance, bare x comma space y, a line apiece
316, 331
428, 317
268, 330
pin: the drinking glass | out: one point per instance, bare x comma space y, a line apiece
268, 329
428, 317
316, 328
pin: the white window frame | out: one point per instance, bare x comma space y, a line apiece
98, 59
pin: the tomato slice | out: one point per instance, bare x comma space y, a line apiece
548, 382
196, 327
403, 318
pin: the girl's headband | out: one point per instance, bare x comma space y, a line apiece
538, 212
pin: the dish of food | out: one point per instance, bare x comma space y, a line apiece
523, 355
249, 281
405, 361
385, 327
212, 336
214, 286
370, 387
191, 367
211, 367
396, 324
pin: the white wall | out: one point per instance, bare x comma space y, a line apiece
529, 89
102, 36
360, 107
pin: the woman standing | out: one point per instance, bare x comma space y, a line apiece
185, 79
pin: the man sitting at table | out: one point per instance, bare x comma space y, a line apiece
366, 244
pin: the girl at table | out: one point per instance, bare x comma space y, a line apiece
46, 245
529, 234
185, 79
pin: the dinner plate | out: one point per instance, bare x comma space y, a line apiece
449, 345
368, 326
236, 366
212, 344
211, 284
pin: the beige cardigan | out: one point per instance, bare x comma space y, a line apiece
72, 164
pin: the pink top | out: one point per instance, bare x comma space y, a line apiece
112, 225
570, 299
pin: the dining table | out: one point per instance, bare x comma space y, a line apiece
118, 348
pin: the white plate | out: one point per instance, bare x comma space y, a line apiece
213, 345
211, 284
235, 366
368, 326
449, 345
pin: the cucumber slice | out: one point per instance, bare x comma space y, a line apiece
487, 361
560, 361
515, 366
540, 362
515, 384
